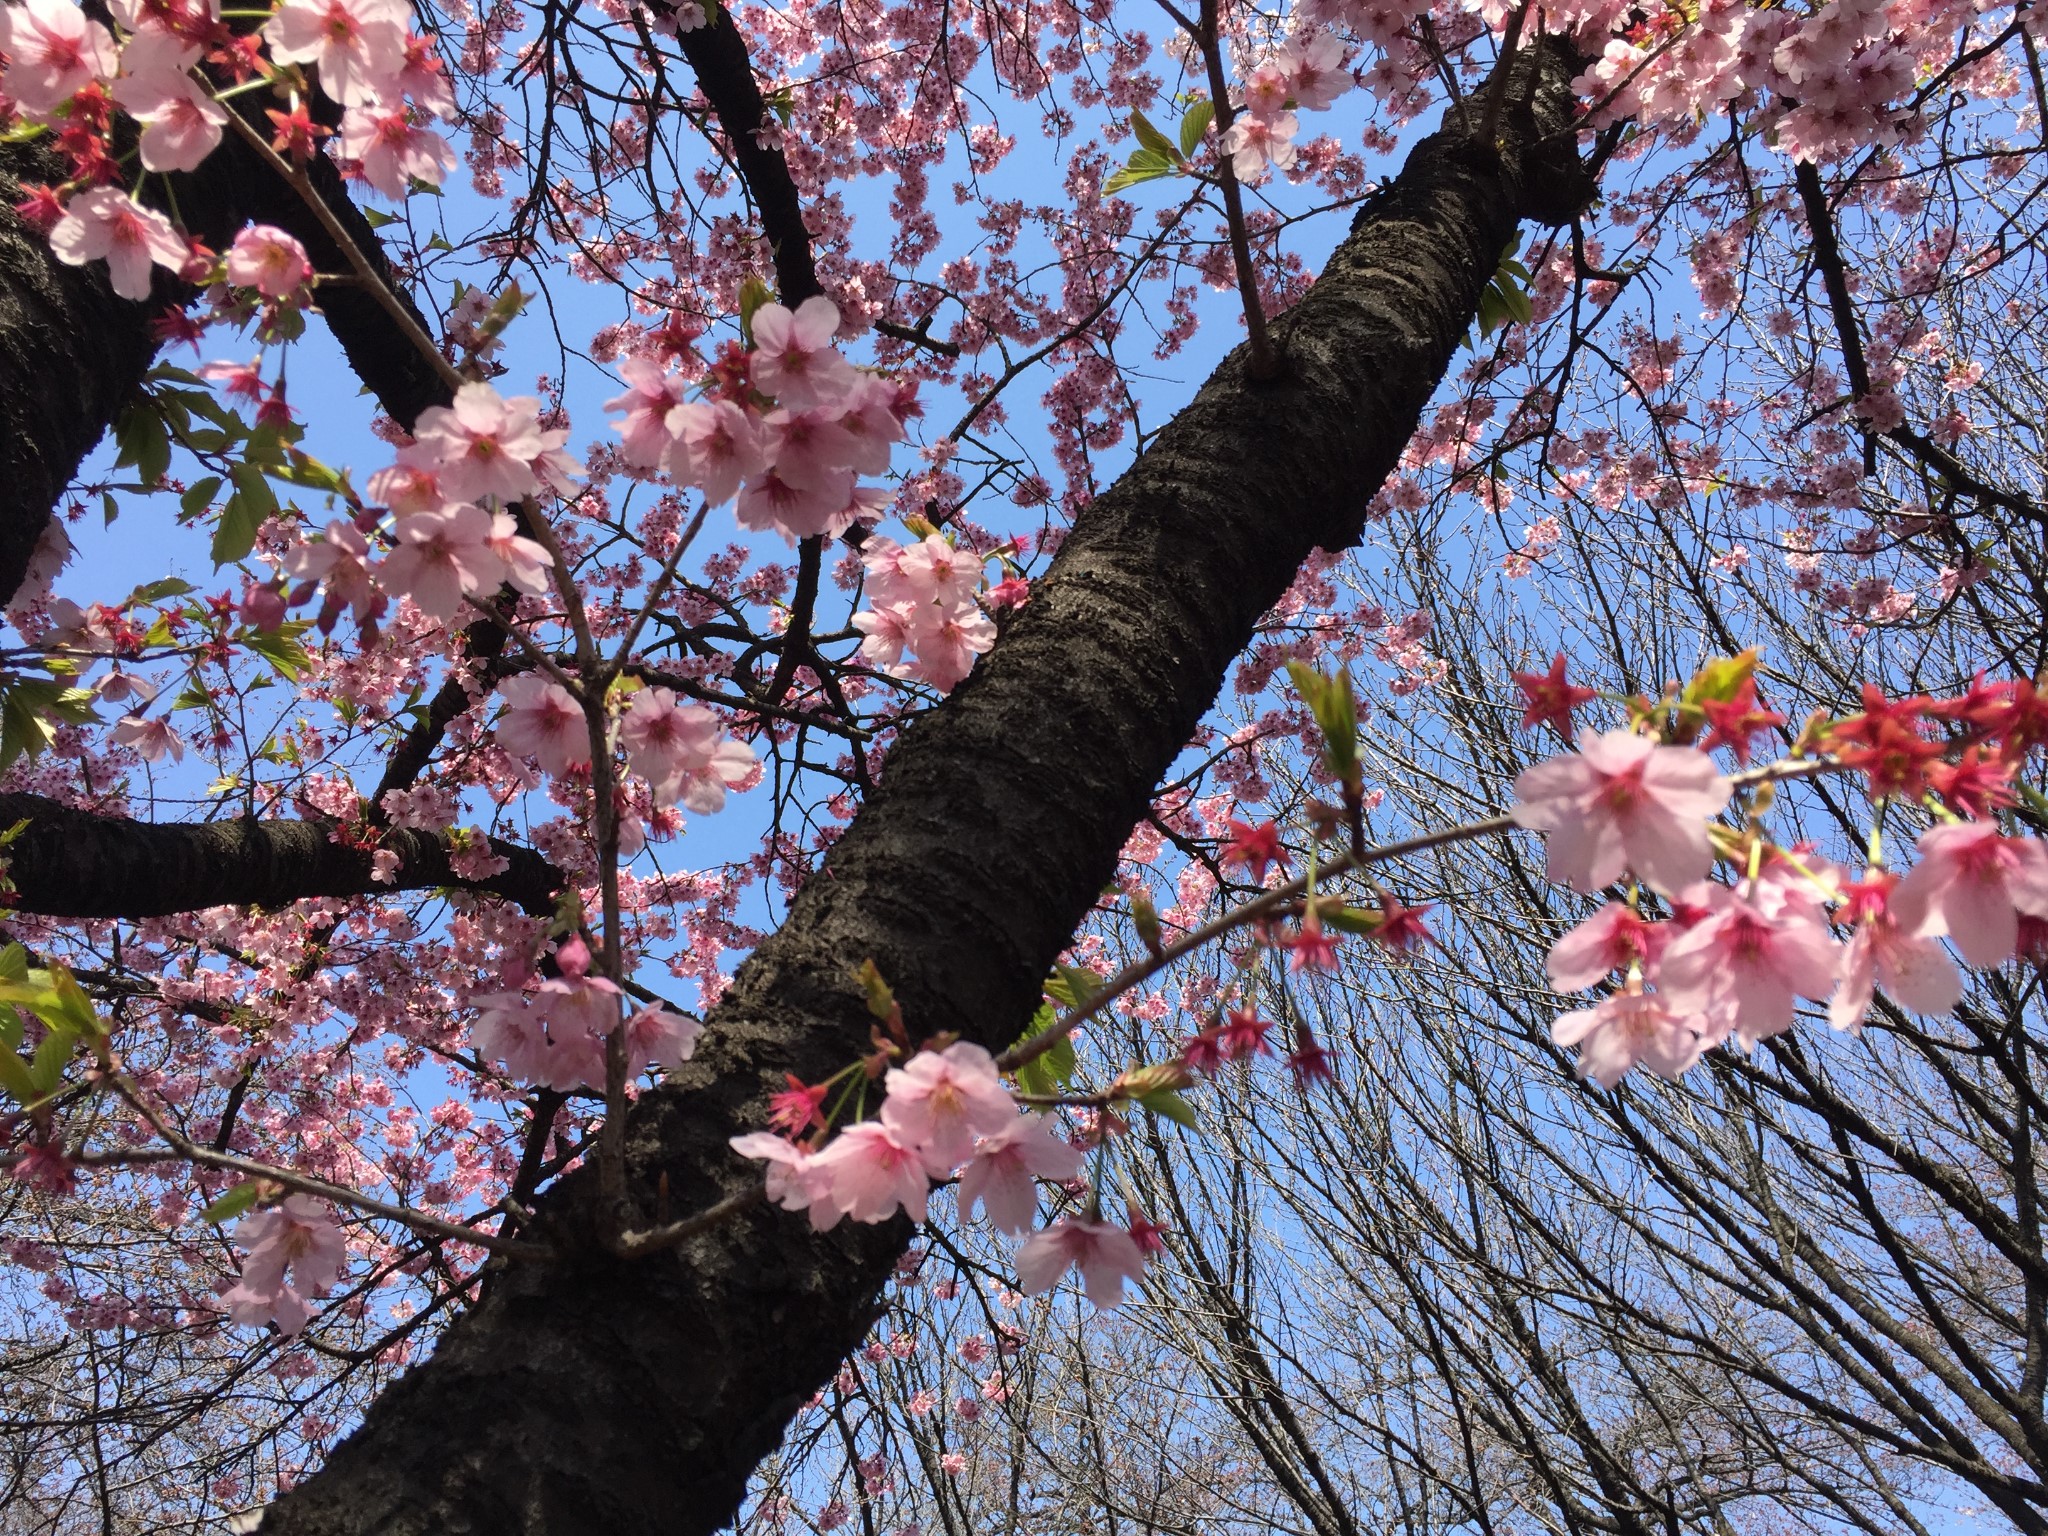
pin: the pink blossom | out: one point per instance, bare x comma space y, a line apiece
656, 1037
1746, 959
104, 223
1104, 1253
153, 739
339, 561
442, 556
1916, 972
53, 51
297, 1237
181, 122
794, 1181
268, 260
484, 444
1314, 65
1627, 1029
395, 149
358, 46
1253, 143
939, 1101
947, 642
682, 751
724, 444
1623, 802
1973, 884
651, 397
1001, 1176
794, 359
868, 1172
1612, 939
542, 720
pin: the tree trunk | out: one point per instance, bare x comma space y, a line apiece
634, 1398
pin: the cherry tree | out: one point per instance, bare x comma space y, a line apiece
364, 1029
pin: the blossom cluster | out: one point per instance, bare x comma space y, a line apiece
1728, 962
554, 1035
1308, 73
164, 65
945, 1112
788, 426
923, 602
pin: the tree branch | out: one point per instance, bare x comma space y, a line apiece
71, 863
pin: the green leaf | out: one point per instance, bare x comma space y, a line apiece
1353, 919
1145, 165
1072, 986
377, 219
1335, 707
109, 509
1164, 1101
280, 647
1150, 136
140, 436
253, 502
26, 710
14, 965
1194, 124
16, 1080
303, 469
163, 587
1049, 1073
233, 1203
753, 294
46, 1071
72, 1009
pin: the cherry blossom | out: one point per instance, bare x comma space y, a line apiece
358, 46
1915, 973
268, 260
682, 751
442, 557
484, 444
395, 149
1742, 963
297, 1238
1001, 1176
1622, 802
1973, 884
542, 720
181, 122
103, 223
794, 1181
1631, 1028
939, 1101
1254, 143
53, 50
1104, 1254
869, 1172
794, 359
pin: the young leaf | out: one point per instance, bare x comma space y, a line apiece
234, 1202
140, 436
1164, 1101
1194, 123
1049, 1073
1150, 136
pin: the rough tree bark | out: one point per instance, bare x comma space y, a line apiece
593, 1394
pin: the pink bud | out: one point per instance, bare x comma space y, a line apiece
262, 607
573, 958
